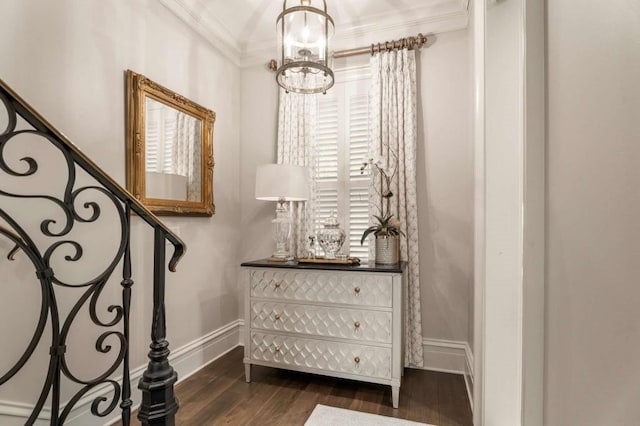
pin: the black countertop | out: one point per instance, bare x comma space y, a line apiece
363, 267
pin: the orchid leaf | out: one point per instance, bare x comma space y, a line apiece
368, 231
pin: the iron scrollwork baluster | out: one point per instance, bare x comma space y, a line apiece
159, 404
127, 282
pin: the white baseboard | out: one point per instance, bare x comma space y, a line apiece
186, 360
450, 356
468, 377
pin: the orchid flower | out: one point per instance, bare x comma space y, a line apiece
387, 224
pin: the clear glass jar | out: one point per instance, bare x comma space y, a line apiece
331, 237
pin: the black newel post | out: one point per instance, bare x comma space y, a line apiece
159, 404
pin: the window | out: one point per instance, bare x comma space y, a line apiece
342, 141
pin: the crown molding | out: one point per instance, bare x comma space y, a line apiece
431, 17
199, 18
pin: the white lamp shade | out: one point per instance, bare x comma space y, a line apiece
281, 181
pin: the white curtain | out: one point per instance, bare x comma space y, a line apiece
392, 106
296, 145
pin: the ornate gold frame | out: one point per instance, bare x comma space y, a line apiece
138, 87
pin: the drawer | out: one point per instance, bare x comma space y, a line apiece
291, 351
328, 321
323, 286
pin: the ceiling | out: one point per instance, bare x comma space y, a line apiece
244, 30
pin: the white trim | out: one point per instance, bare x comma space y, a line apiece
208, 25
367, 32
469, 358
447, 356
478, 15
509, 213
19, 410
468, 377
186, 360
430, 17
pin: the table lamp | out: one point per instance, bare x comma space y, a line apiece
281, 183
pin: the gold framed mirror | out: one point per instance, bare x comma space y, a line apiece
169, 149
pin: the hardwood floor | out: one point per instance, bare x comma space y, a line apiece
219, 395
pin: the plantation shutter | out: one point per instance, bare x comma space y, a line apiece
326, 136
170, 128
152, 141
161, 133
342, 142
358, 184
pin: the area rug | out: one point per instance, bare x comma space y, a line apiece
324, 415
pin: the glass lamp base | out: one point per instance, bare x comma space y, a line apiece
281, 232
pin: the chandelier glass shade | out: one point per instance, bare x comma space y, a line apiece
304, 31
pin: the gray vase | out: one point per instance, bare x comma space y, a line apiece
387, 252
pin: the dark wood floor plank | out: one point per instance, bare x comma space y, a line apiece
275, 412
256, 394
306, 400
418, 395
219, 395
193, 384
212, 399
449, 404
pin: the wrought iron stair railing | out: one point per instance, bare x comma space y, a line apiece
159, 405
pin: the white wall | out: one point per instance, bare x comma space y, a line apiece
258, 133
593, 237
67, 58
445, 187
445, 178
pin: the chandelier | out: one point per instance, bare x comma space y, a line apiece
304, 31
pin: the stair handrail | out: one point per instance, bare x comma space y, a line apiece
97, 173
159, 404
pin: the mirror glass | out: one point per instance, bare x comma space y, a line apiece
169, 150
172, 153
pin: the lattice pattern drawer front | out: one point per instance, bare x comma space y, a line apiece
326, 286
373, 326
362, 360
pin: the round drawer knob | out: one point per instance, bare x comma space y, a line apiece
357, 290
277, 285
357, 360
277, 317
356, 324
277, 349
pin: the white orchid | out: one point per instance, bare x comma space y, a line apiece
387, 224
376, 163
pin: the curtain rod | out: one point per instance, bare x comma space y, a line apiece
407, 42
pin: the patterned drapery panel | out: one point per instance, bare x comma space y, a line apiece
393, 129
296, 145
187, 154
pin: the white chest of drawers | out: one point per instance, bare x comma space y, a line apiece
338, 321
